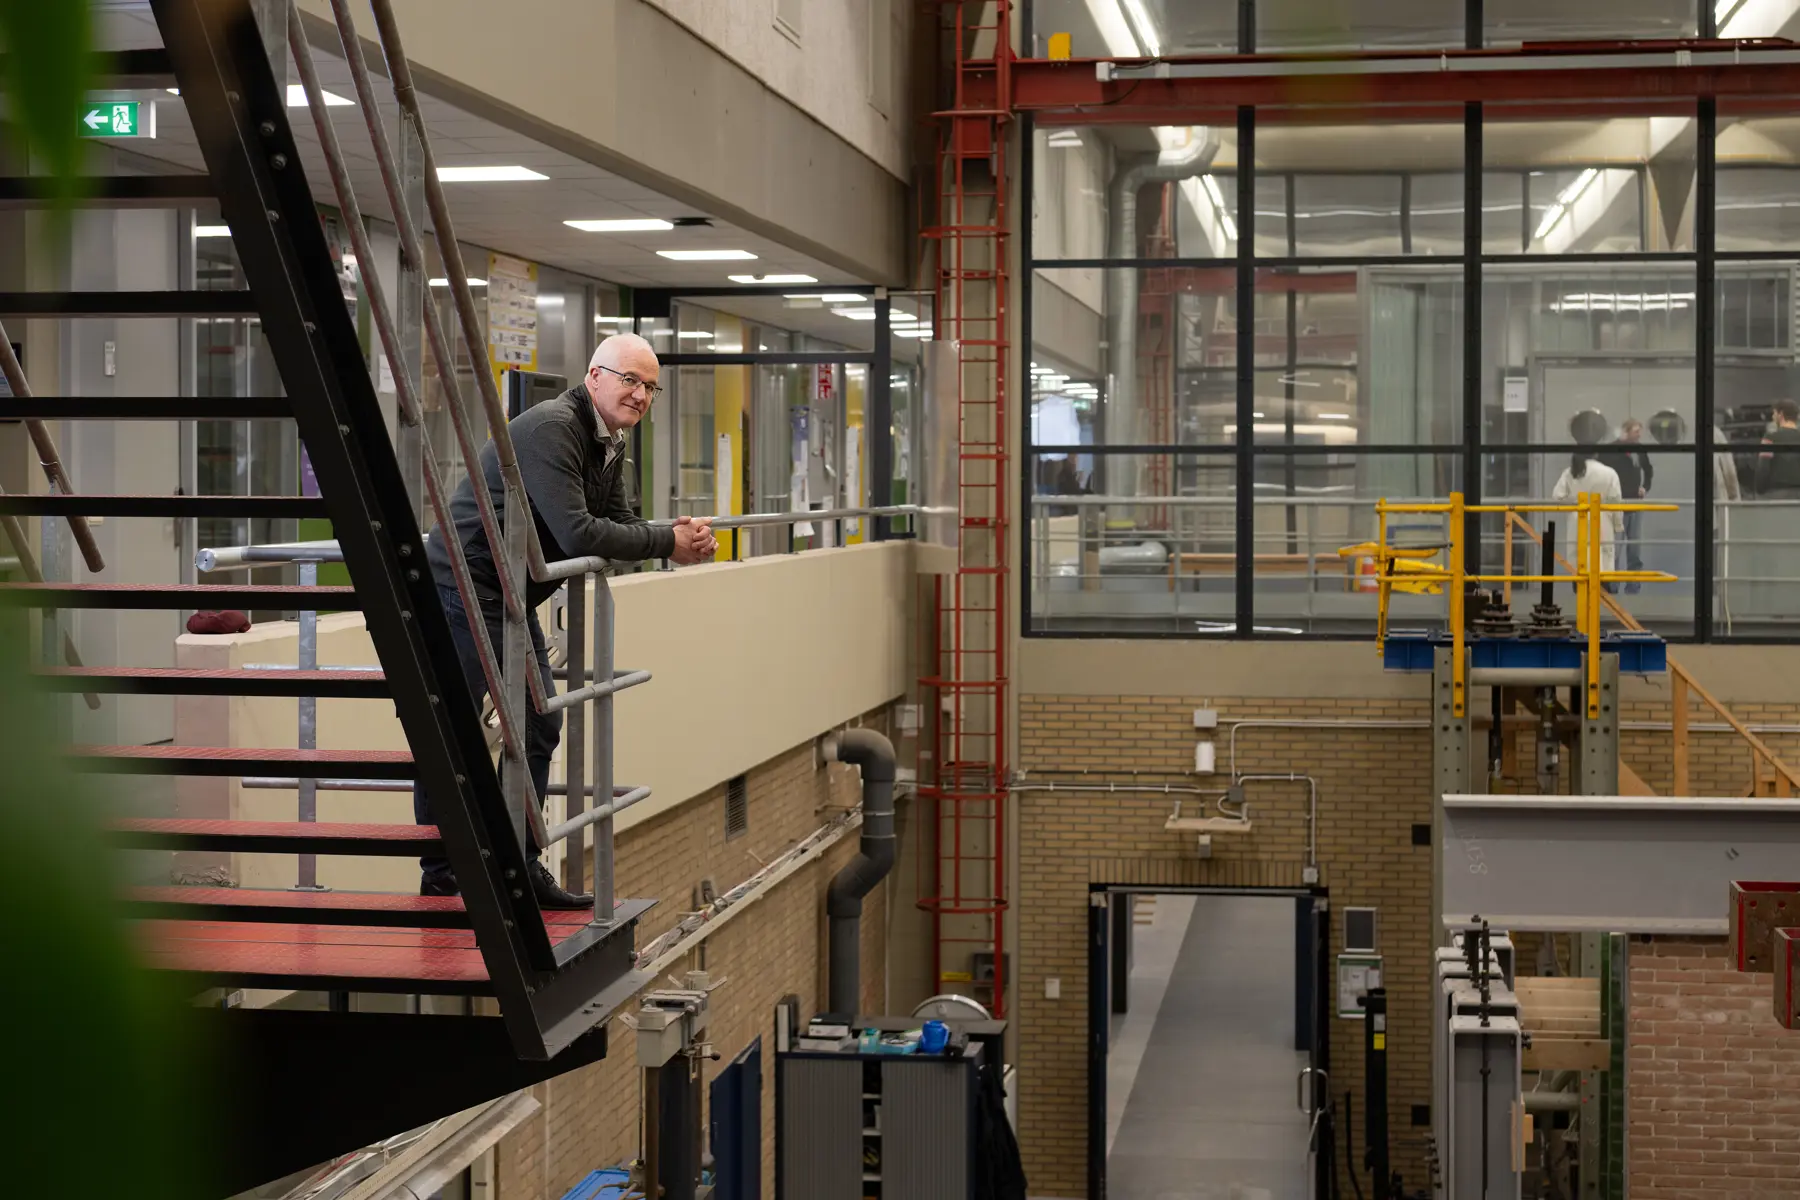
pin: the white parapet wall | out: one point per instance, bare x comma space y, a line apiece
748, 660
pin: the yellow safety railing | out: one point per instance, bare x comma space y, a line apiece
1409, 570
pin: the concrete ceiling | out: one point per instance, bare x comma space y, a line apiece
524, 219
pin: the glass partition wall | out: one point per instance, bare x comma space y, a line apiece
1241, 338
771, 407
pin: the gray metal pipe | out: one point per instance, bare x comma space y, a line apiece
844, 899
1525, 676
1123, 415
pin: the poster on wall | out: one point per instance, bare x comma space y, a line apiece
852, 477
512, 291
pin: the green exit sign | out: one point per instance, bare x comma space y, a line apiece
118, 119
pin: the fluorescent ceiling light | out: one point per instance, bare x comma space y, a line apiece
1567, 197
296, 98
1334, 416
828, 297
212, 231
1109, 18
706, 255
923, 335
474, 283
1142, 26
1064, 139
697, 334
613, 320
514, 174
1258, 416
1037, 370
173, 91
622, 225
772, 279
856, 314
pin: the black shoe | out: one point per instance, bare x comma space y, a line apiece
551, 894
442, 883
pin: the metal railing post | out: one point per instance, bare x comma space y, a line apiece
308, 877
516, 662
575, 613
603, 751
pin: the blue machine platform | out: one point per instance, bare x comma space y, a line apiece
1639, 653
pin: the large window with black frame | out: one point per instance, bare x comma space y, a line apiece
1233, 356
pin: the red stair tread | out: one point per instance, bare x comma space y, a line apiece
277, 898
235, 673
410, 837
236, 950
237, 753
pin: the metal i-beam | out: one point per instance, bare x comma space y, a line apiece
1622, 79
1608, 864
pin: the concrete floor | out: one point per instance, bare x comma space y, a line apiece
1202, 1073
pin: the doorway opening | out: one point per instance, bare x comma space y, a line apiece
1208, 1063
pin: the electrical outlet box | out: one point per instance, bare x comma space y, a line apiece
1052, 988
1206, 718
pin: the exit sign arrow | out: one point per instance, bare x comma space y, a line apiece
96, 118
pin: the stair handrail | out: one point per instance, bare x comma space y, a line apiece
48, 458
1685, 678
411, 409
406, 96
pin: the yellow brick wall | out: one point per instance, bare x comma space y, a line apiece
1374, 784
589, 1117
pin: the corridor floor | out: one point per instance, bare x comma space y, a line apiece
1208, 1112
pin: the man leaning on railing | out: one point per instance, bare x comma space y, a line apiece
571, 454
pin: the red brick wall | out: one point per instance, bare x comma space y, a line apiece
1713, 1083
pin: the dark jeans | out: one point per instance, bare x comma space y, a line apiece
542, 730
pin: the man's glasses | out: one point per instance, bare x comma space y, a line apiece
633, 383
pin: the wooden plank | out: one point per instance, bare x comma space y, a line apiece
1632, 784
1575, 1026
1678, 701
1567, 1054
1544, 987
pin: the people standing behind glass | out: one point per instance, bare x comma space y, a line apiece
1778, 475
1585, 474
1634, 471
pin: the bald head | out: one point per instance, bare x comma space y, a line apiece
614, 350
621, 380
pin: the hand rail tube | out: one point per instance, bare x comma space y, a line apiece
620, 681
576, 824
400, 74
14, 374
413, 248
225, 558
410, 406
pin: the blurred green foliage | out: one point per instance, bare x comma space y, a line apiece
47, 69
102, 1075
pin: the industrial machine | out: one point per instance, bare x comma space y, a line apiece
1552, 683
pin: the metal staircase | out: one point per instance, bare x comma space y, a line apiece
555, 976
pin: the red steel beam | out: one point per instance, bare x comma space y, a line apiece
1563, 80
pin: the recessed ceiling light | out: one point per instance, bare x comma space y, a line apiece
296, 98
698, 334
1334, 416
212, 231
829, 297
622, 225
474, 283
772, 279
513, 174
706, 255
856, 314
923, 335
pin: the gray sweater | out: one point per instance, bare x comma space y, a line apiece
578, 500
